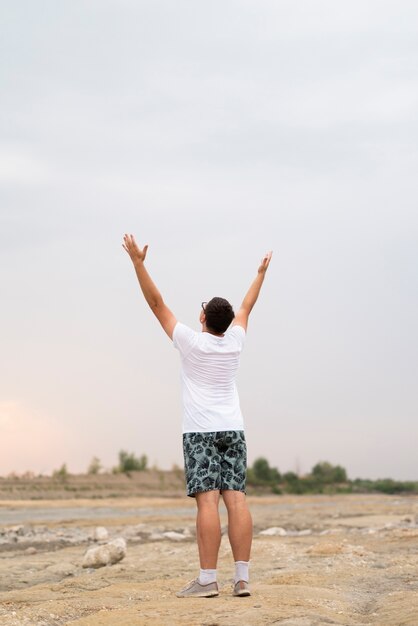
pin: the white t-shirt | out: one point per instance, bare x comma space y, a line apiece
208, 369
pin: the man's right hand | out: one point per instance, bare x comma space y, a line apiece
241, 318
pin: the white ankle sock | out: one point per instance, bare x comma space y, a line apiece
241, 571
207, 576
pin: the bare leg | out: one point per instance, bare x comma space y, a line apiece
240, 524
208, 528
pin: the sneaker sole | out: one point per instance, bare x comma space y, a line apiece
209, 594
242, 594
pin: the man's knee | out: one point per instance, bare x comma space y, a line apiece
207, 498
234, 499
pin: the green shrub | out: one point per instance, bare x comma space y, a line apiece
128, 462
95, 466
324, 472
262, 475
62, 473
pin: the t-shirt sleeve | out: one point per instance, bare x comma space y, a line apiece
239, 334
184, 338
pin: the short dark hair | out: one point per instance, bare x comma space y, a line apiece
219, 314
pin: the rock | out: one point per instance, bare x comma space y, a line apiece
16, 530
156, 536
63, 569
173, 536
106, 554
100, 534
274, 531
31, 550
369, 531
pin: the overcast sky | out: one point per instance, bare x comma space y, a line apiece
213, 132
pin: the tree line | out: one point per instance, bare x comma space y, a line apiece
323, 477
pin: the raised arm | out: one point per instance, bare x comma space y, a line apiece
150, 291
241, 318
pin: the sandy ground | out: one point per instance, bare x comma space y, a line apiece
346, 560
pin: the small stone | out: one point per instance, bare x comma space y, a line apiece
31, 550
274, 531
156, 536
100, 534
173, 536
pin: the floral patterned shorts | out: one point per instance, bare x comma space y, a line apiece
215, 461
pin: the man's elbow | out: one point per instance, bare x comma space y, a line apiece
156, 305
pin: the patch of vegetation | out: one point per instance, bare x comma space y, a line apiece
323, 478
95, 466
261, 474
61, 474
128, 462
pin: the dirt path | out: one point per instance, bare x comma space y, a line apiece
346, 560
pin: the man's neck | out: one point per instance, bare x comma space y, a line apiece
205, 329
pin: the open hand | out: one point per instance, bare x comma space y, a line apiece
133, 250
265, 262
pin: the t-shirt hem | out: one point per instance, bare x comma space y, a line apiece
214, 430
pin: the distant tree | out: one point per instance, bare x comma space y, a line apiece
61, 473
128, 462
340, 475
290, 477
261, 469
324, 472
28, 475
95, 466
388, 485
261, 472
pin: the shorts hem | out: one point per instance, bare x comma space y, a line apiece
193, 494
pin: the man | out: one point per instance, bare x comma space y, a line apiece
213, 430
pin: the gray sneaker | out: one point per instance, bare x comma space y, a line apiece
241, 589
195, 590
